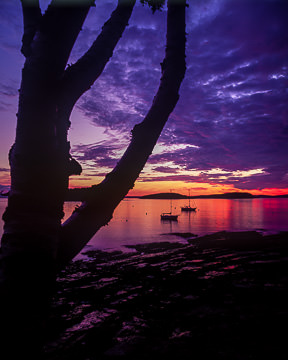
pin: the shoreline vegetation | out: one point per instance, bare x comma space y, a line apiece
220, 296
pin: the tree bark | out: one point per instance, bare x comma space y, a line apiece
37, 159
34, 242
31, 18
39, 162
97, 211
38, 183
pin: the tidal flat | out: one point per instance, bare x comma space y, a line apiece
220, 296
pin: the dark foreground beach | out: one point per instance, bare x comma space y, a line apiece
222, 296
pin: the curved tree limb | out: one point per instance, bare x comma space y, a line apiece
98, 209
80, 76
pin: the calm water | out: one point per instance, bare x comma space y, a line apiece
138, 221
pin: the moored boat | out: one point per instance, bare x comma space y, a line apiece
188, 207
169, 216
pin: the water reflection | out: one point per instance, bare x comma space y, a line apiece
138, 220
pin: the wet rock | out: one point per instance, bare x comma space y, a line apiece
222, 298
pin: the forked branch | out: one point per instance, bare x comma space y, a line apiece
49, 38
80, 76
98, 209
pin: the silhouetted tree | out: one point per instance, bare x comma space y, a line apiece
35, 244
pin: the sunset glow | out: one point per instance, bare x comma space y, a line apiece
228, 131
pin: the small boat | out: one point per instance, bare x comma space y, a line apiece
168, 215
188, 208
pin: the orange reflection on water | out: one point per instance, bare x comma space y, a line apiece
138, 220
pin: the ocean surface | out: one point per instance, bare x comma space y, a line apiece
138, 221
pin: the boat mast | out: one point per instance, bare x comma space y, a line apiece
171, 201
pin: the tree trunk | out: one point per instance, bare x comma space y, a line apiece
39, 161
34, 242
38, 184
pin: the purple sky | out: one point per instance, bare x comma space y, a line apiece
230, 126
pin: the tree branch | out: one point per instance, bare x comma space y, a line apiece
98, 209
31, 18
79, 77
55, 36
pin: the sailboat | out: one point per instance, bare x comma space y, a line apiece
188, 207
169, 216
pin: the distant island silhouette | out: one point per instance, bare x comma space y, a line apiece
81, 194
231, 195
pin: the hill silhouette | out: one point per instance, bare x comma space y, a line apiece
164, 196
233, 195
81, 194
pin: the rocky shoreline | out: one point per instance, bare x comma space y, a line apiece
221, 296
